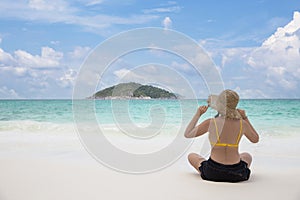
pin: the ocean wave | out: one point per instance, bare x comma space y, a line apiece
30, 126
36, 126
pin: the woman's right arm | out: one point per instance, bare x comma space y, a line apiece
194, 131
250, 132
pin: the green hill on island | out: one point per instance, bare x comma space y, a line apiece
133, 90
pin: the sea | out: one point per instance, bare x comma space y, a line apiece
268, 116
133, 129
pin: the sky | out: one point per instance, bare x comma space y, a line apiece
254, 44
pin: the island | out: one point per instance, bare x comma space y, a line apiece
133, 90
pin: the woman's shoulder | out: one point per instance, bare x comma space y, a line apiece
207, 122
244, 123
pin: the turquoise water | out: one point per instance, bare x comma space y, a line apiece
268, 116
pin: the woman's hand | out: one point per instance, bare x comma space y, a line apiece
242, 113
201, 110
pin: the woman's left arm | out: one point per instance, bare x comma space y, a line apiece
192, 131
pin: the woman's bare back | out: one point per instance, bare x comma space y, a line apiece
229, 133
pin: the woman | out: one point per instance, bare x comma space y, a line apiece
225, 132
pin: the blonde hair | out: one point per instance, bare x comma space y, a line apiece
226, 104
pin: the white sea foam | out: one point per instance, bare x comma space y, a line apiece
35, 126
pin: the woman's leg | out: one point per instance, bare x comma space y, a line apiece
195, 160
247, 158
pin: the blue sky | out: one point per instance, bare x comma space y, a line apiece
254, 44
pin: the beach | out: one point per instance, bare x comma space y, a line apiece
59, 168
47, 160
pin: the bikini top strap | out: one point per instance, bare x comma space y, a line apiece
240, 133
217, 131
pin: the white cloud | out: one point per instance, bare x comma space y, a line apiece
33, 76
121, 73
171, 2
79, 52
282, 32
251, 93
181, 66
230, 54
55, 42
16, 71
48, 58
48, 74
68, 79
6, 93
279, 55
94, 2
163, 10
60, 11
43, 5
270, 70
20, 71
167, 23
5, 58
211, 20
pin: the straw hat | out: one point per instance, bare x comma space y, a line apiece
226, 104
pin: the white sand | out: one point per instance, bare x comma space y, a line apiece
38, 167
